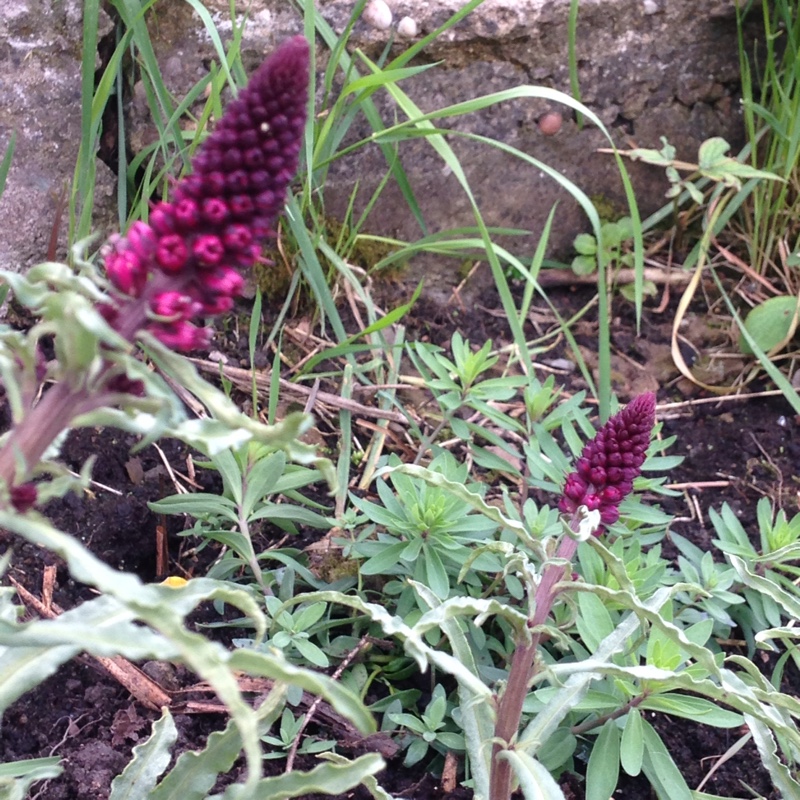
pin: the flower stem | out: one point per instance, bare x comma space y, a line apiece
522, 671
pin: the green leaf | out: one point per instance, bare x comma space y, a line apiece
602, 772
697, 709
261, 480
437, 581
311, 653
632, 746
150, 759
226, 464
309, 616
770, 323
17, 777
385, 561
782, 778
337, 778
198, 505
585, 244
584, 265
195, 773
660, 769
341, 698
594, 622
711, 151
534, 780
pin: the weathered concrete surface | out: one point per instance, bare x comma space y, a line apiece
40, 48
647, 67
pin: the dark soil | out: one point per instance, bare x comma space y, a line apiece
91, 722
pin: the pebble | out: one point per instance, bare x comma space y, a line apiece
407, 27
378, 14
550, 123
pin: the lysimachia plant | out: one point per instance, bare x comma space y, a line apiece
161, 279
560, 655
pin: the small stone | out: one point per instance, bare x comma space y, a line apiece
378, 14
550, 123
407, 27
650, 7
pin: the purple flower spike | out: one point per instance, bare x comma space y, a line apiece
219, 215
609, 463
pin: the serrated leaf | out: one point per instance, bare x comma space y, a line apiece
150, 759
602, 772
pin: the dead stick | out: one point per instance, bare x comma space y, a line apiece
142, 687
243, 378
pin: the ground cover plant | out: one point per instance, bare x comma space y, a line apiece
492, 600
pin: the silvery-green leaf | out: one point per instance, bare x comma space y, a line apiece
325, 779
150, 759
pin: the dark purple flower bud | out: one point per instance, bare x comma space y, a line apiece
215, 211
242, 206
172, 253
187, 214
238, 237
208, 250
142, 239
213, 183
162, 218
127, 272
218, 305
182, 336
237, 182
175, 306
600, 481
232, 159
122, 384
224, 281
23, 497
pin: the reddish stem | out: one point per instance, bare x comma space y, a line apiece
521, 672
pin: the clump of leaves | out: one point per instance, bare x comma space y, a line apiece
612, 251
422, 531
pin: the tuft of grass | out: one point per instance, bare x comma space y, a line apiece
771, 106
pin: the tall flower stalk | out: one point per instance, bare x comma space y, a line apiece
602, 479
185, 263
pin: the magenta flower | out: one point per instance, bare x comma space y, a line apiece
609, 463
184, 264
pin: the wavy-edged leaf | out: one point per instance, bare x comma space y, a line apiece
535, 781
324, 779
150, 759
782, 778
